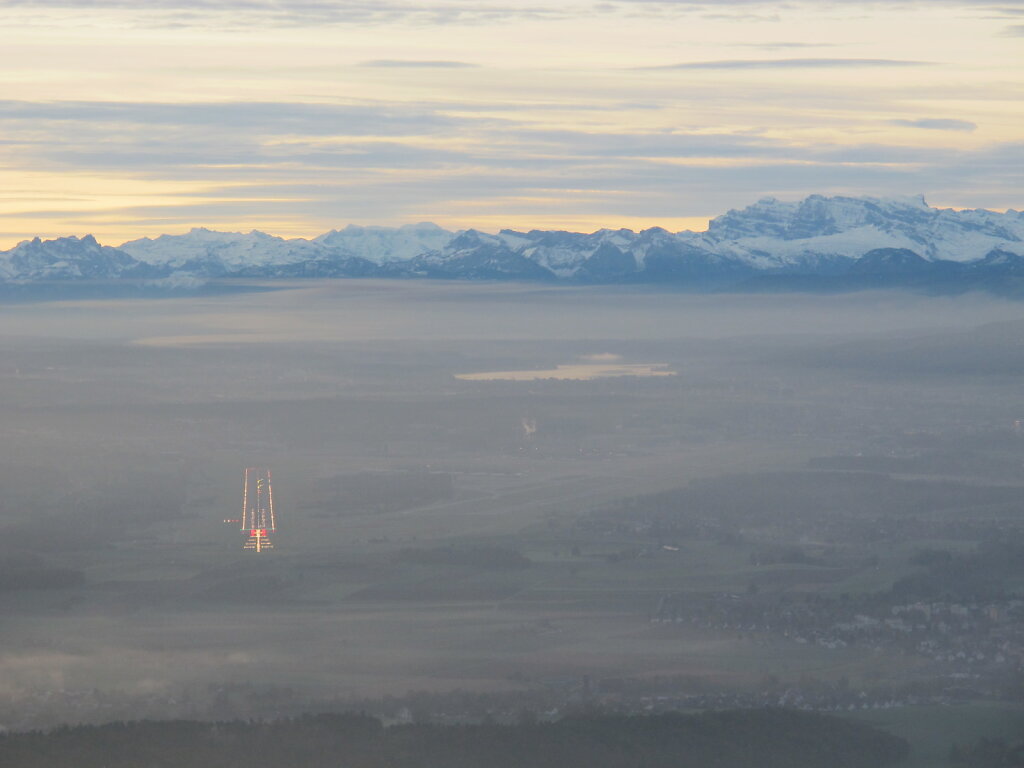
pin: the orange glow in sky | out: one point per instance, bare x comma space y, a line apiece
299, 117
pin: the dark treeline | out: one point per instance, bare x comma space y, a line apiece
853, 507
987, 753
979, 574
739, 738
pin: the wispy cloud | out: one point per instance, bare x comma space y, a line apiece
618, 187
800, 63
236, 14
1014, 30
235, 118
305, 163
771, 46
938, 124
186, 14
418, 63
334, 116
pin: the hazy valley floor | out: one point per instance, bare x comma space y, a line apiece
685, 540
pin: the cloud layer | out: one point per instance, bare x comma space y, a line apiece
938, 124
295, 117
790, 64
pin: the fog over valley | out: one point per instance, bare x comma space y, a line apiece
818, 506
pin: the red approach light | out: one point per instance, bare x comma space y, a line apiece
257, 509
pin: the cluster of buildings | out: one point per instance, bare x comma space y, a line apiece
957, 642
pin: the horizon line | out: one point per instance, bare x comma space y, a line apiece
9, 242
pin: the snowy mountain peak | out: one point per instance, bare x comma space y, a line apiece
381, 245
65, 258
820, 227
818, 235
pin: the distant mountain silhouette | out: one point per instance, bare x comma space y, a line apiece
819, 243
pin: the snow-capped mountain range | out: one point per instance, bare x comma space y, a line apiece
858, 238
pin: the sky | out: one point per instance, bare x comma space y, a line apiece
126, 119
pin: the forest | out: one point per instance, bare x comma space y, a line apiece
769, 738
